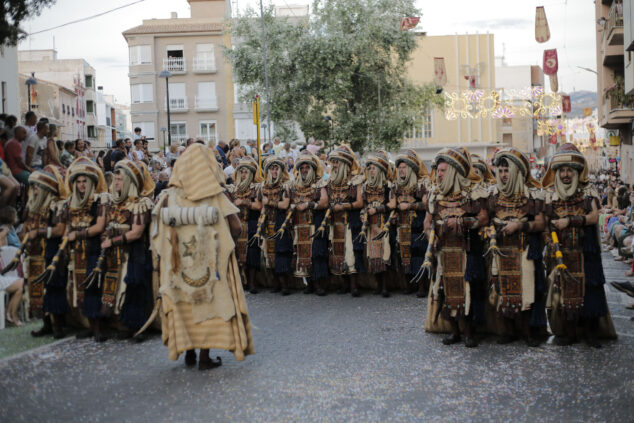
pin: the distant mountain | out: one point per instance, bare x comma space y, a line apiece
580, 100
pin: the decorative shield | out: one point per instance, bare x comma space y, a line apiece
550, 62
565, 103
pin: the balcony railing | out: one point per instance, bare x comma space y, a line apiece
179, 139
206, 104
207, 138
614, 22
175, 64
178, 105
204, 64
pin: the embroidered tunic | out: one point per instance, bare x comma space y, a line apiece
410, 225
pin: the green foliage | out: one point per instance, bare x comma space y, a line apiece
347, 61
13, 12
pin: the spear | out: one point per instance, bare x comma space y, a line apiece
560, 272
47, 275
258, 233
97, 272
386, 227
280, 232
13, 264
322, 227
493, 243
427, 263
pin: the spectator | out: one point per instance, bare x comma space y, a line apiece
172, 154
313, 147
9, 126
34, 146
13, 285
9, 187
30, 122
137, 133
99, 160
137, 154
80, 148
189, 142
68, 155
13, 155
88, 150
277, 146
250, 147
119, 153
51, 153
8, 220
294, 151
221, 152
128, 145
163, 180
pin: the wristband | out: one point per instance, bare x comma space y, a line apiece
526, 227
49, 232
83, 234
347, 206
577, 221
117, 241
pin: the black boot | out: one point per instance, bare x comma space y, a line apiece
570, 337
58, 327
455, 333
205, 362
320, 289
590, 328
345, 284
46, 329
190, 358
285, 288
509, 332
469, 335
384, 292
87, 333
354, 289
526, 329
252, 288
100, 336
423, 288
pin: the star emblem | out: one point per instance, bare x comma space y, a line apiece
190, 246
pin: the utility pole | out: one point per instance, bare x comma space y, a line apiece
266, 76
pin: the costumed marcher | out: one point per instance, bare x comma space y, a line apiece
517, 274
375, 192
345, 200
85, 216
45, 230
456, 211
308, 199
194, 225
278, 248
127, 259
576, 297
408, 197
482, 169
244, 195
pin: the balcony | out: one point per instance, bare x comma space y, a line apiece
178, 105
616, 114
613, 31
204, 64
176, 65
207, 138
206, 104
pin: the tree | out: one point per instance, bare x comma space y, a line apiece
348, 61
13, 13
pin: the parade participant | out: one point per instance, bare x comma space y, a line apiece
345, 200
244, 195
482, 169
127, 259
407, 198
572, 208
278, 249
375, 193
308, 199
516, 268
45, 230
84, 213
193, 229
456, 211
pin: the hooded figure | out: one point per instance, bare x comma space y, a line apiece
456, 211
203, 304
85, 217
46, 228
244, 194
375, 214
278, 249
576, 299
128, 262
517, 281
345, 201
308, 199
408, 199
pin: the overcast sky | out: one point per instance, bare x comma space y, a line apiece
99, 40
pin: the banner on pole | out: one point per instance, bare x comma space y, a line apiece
440, 73
409, 23
565, 103
542, 32
550, 62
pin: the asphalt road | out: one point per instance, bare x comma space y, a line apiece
334, 358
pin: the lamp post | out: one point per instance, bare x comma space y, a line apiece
163, 129
30, 81
165, 74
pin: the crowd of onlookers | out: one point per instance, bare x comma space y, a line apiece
617, 222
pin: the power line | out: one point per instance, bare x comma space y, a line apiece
86, 18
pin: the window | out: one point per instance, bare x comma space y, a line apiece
140, 55
175, 61
147, 128
428, 124
91, 131
141, 93
205, 59
206, 95
89, 81
63, 109
73, 109
208, 130
178, 131
178, 99
90, 106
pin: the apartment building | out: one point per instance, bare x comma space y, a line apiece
106, 119
76, 75
470, 64
199, 85
615, 77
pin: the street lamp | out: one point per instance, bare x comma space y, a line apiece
165, 74
30, 81
163, 129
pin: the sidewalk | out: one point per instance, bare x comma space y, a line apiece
14, 340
